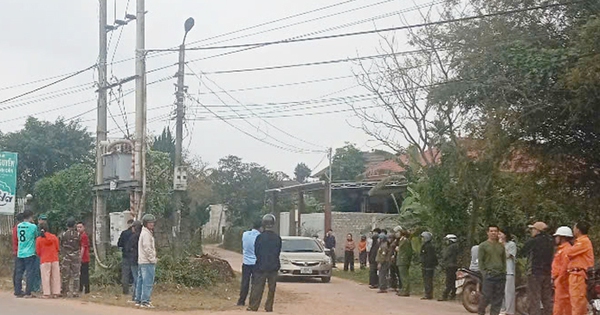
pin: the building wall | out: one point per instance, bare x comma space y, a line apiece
342, 224
217, 221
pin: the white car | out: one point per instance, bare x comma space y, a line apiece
304, 257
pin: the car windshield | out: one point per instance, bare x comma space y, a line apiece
300, 246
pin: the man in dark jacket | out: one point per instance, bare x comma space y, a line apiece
540, 251
126, 276
428, 263
373, 278
132, 253
450, 262
267, 248
330, 244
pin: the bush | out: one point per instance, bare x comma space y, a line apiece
188, 272
6, 255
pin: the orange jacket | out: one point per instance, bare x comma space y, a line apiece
581, 255
47, 248
362, 246
559, 271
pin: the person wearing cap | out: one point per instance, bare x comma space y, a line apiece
404, 254
146, 263
540, 252
267, 249
492, 264
581, 257
428, 264
560, 276
450, 263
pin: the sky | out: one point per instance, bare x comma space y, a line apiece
300, 120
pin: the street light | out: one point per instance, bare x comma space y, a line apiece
188, 25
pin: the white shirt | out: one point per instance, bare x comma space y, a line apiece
474, 258
511, 253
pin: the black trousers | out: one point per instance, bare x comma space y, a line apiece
126, 276
373, 278
362, 258
332, 255
348, 260
428, 282
383, 276
450, 291
247, 272
258, 287
492, 293
539, 290
395, 282
84, 278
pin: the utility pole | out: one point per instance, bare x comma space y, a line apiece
179, 173
140, 108
101, 219
328, 192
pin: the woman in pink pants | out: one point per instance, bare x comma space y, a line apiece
47, 249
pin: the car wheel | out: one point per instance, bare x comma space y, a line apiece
326, 279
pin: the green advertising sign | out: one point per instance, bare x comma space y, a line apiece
8, 182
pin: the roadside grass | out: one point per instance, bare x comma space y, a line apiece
172, 297
416, 279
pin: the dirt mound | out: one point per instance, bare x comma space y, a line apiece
221, 266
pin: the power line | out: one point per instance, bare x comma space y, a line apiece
316, 63
268, 123
47, 85
245, 132
383, 30
245, 120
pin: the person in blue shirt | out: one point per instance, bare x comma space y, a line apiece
27, 232
248, 239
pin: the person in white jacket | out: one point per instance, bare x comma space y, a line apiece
146, 263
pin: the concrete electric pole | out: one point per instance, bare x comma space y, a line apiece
179, 173
140, 109
101, 219
328, 192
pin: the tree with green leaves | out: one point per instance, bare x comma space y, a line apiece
45, 148
302, 172
165, 143
241, 188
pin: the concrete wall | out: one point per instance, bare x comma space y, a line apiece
217, 220
343, 223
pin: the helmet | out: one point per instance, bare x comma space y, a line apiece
398, 229
564, 231
451, 237
147, 218
268, 221
427, 236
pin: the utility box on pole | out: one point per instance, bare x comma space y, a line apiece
116, 167
180, 178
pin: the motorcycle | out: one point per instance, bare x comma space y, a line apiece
468, 286
593, 290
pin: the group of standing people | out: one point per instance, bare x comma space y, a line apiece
61, 263
138, 266
556, 278
261, 249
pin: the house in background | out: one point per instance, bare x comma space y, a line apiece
217, 223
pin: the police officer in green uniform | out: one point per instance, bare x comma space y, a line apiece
70, 266
404, 254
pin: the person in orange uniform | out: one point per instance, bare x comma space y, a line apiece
560, 276
581, 257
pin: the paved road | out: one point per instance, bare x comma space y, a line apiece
340, 297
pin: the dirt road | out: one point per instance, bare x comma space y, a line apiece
340, 297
